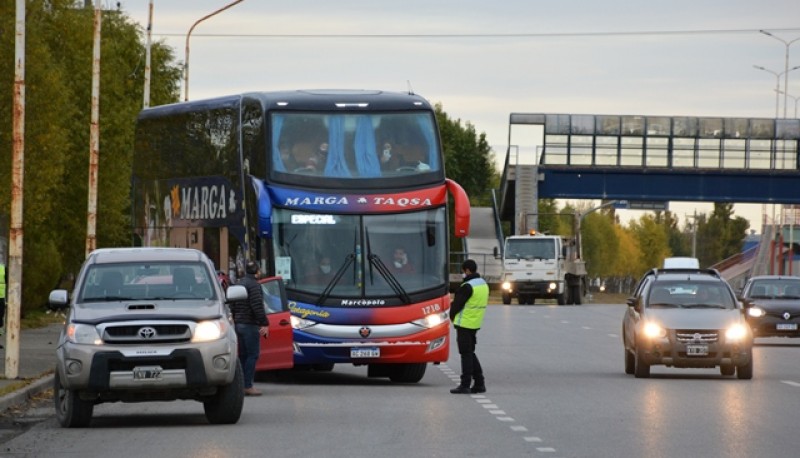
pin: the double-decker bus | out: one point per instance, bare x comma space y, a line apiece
341, 193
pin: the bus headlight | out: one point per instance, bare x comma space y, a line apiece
736, 332
301, 323
756, 312
432, 320
654, 330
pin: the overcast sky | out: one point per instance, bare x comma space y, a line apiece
483, 60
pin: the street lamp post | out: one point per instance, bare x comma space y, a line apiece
777, 85
188, 35
786, 65
795, 98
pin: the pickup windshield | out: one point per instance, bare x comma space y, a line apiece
152, 281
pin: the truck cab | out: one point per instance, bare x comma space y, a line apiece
540, 266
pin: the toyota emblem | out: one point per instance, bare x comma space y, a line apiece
147, 332
364, 331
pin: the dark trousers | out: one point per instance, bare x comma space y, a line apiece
249, 349
471, 369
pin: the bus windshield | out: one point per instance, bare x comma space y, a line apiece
363, 256
355, 146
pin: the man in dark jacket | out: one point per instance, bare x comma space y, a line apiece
251, 323
466, 313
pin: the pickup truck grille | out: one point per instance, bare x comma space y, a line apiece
702, 335
139, 333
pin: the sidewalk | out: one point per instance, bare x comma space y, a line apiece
37, 360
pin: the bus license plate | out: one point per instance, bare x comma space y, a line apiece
147, 373
365, 352
697, 350
786, 326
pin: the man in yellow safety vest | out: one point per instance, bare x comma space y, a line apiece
466, 313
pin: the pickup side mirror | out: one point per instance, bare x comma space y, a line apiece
236, 293
58, 300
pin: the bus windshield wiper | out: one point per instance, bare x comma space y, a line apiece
375, 260
338, 276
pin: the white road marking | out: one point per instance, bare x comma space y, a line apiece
613, 335
791, 383
505, 418
490, 406
497, 412
518, 428
546, 449
533, 439
585, 327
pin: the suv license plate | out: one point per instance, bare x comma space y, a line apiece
365, 352
786, 326
697, 350
147, 373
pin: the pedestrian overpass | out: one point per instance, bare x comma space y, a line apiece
647, 161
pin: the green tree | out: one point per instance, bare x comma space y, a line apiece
600, 243
721, 235
468, 158
59, 35
653, 237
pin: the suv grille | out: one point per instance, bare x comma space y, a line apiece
703, 335
133, 334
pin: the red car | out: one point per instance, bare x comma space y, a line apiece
277, 350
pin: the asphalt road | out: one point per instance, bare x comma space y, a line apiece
556, 388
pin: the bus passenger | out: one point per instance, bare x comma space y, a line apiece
400, 264
322, 273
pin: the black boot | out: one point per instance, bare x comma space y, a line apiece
478, 388
461, 389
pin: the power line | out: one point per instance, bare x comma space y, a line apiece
485, 35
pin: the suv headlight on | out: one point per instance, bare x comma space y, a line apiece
83, 334
756, 312
736, 332
208, 331
654, 330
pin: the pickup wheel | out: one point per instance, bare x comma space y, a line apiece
225, 407
506, 298
71, 411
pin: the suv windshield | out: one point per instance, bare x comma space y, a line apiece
150, 281
690, 294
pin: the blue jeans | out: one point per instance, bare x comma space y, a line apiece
249, 349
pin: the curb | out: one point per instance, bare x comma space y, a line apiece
24, 394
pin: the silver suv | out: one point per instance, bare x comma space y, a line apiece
147, 324
686, 317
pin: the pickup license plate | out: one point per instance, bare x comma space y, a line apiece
697, 350
786, 326
147, 373
365, 352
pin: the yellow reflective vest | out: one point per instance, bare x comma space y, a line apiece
2, 281
471, 317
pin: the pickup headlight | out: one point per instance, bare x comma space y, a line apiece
207, 331
83, 334
654, 330
756, 312
736, 332
434, 319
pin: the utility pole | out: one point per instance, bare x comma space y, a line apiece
14, 298
147, 56
94, 135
